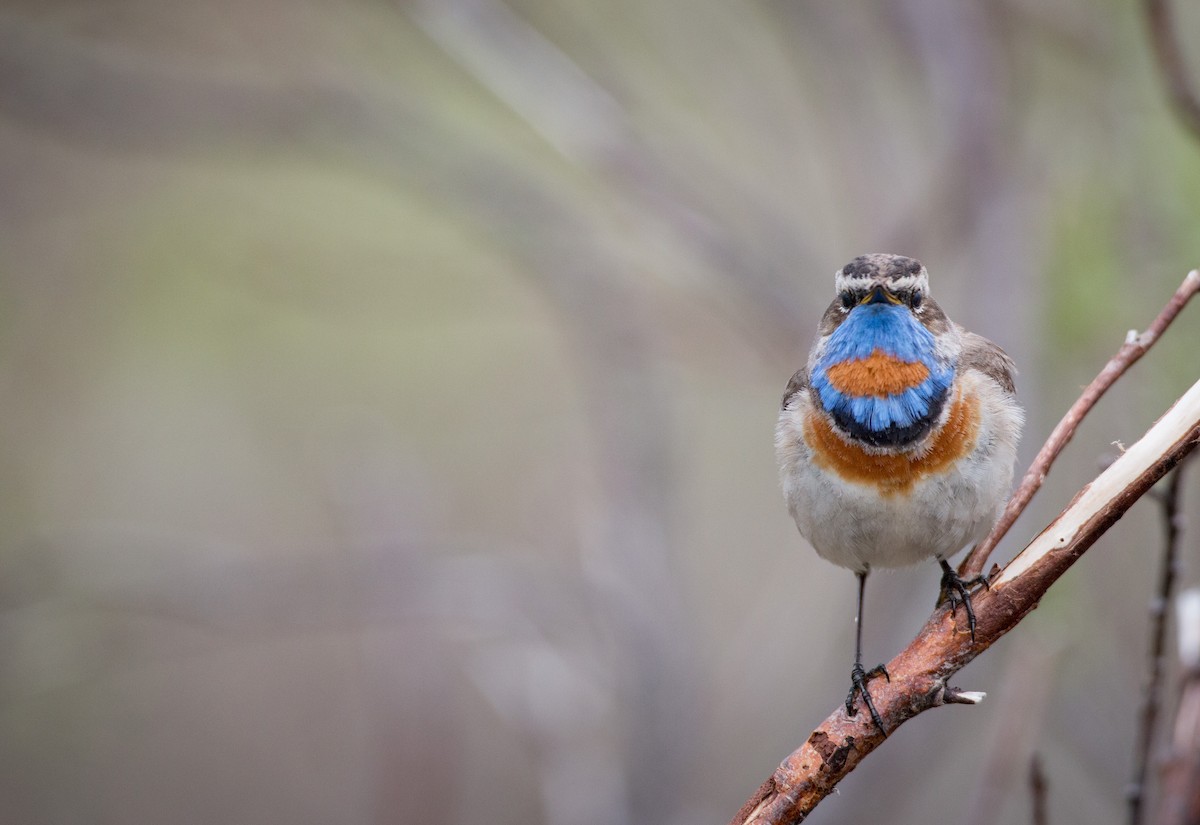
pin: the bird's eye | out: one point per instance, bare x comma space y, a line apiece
916, 299
847, 300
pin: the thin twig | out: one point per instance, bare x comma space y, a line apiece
920, 672
1160, 609
1171, 63
1135, 347
1037, 791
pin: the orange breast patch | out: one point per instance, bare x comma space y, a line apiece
894, 473
878, 374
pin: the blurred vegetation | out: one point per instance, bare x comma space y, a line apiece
389, 392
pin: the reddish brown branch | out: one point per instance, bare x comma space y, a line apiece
1171, 63
920, 673
1135, 347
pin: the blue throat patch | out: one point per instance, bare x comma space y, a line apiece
891, 420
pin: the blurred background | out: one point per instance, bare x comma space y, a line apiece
389, 392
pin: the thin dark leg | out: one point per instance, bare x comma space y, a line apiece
956, 590
858, 675
858, 618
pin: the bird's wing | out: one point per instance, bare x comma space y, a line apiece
799, 383
981, 354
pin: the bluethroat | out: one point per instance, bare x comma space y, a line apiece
896, 441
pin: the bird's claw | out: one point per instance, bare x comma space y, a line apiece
957, 590
859, 677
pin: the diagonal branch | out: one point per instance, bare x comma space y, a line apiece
920, 672
1135, 347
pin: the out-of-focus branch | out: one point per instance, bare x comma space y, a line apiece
1038, 787
1179, 800
1171, 63
920, 673
1019, 717
1159, 610
1135, 347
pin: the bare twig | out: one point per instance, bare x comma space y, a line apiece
1135, 347
1171, 63
1159, 611
920, 673
1037, 791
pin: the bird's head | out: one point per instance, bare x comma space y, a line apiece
882, 279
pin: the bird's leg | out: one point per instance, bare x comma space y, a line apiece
956, 590
859, 676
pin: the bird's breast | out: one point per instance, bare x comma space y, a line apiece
882, 398
878, 375
894, 472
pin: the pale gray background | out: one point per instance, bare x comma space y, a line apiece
388, 394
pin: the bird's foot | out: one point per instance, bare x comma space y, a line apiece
858, 686
957, 590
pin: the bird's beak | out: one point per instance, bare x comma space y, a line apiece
879, 295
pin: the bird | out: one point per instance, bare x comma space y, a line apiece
896, 440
